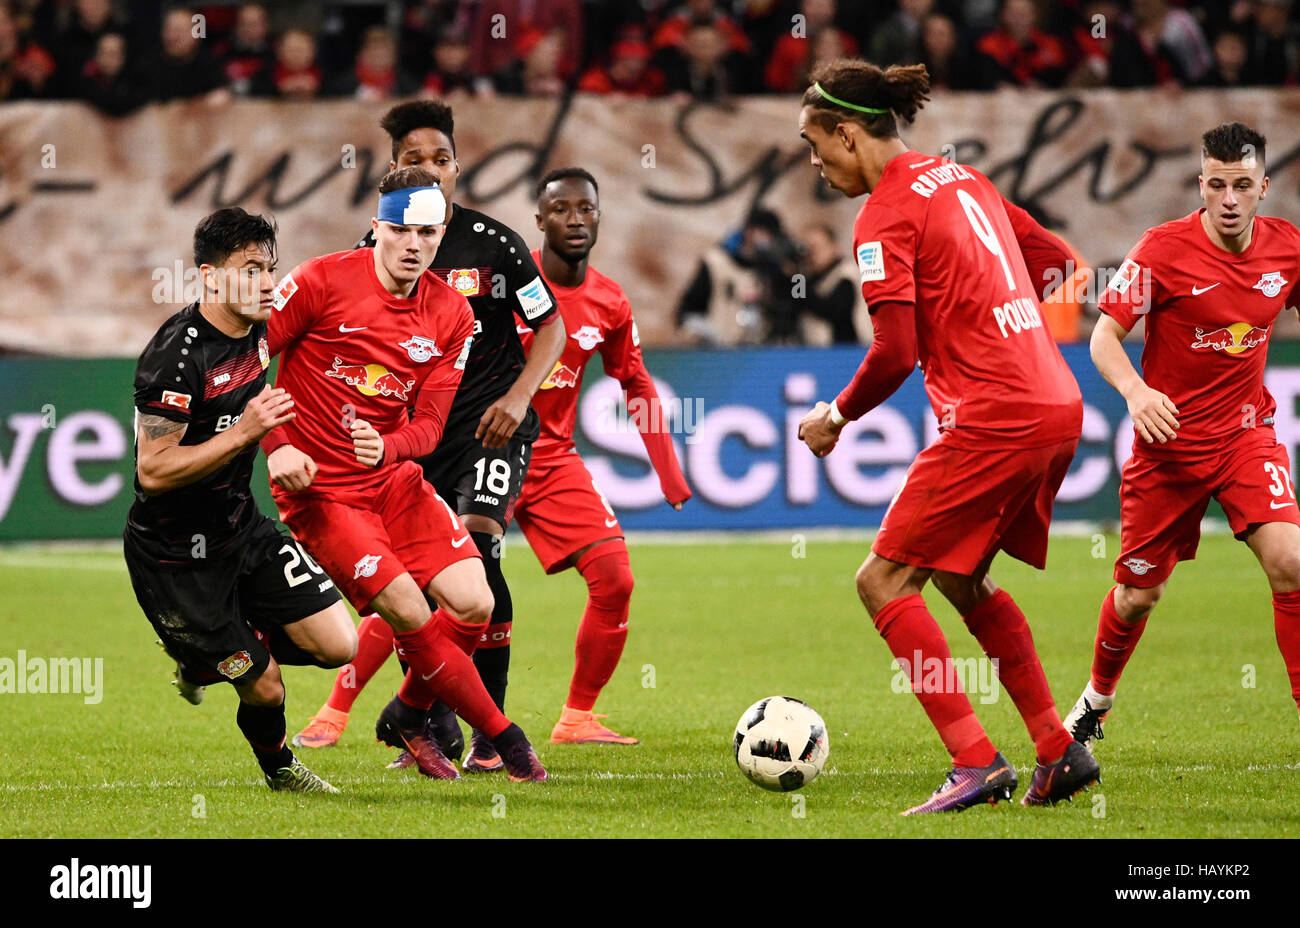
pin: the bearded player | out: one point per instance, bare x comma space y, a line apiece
230, 596
480, 465
948, 269
565, 518
374, 349
1210, 286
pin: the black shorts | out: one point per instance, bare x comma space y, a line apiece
479, 481
208, 615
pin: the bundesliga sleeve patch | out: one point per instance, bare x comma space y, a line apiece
1124, 277
871, 261
636, 336
176, 400
288, 287
533, 298
464, 354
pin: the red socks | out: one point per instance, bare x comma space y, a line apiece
1286, 623
908, 628
603, 631
374, 645
1115, 642
1000, 627
440, 669
465, 636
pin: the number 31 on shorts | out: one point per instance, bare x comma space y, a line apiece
1281, 484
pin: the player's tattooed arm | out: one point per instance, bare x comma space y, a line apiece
164, 464
158, 426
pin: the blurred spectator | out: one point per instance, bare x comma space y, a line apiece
78, 40
943, 57
1018, 53
1094, 36
1166, 46
537, 73
375, 76
704, 66
764, 22
106, 82
424, 24
500, 25
295, 75
247, 57
793, 57
26, 69
451, 71
629, 72
898, 40
741, 291
183, 68
1274, 45
674, 30
1229, 60
832, 310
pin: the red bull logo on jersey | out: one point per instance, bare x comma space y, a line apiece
588, 337
1270, 284
420, 348
561, 376
371, 379
1232, 339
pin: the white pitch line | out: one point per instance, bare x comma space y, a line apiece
345, 781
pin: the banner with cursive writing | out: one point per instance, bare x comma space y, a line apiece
97, 214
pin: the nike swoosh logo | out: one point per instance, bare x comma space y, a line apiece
1198, 291
1272, 505
343, 328
1110, 647
610, 523
435, 673
457, 544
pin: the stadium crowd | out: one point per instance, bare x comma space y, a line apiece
119, 56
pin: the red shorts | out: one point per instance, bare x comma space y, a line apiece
366, 541
560, 511
958, 505
1162, 502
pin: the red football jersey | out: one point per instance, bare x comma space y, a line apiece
1209, 314
938, 235
351, 350
598, 318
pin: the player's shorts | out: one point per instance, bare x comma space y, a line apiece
208, 614
561, 511
367, 541
477, 480
1162, 502
959, 505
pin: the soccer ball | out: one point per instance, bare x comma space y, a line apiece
781, 743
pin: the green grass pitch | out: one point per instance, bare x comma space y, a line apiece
1203, 742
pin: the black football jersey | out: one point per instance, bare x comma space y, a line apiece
491, 265
192, 372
